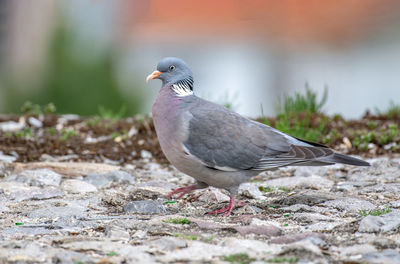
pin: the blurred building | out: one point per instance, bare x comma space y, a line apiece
248, 52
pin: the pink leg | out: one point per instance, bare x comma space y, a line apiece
183, 190
229, 208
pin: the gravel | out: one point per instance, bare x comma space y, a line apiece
69, 212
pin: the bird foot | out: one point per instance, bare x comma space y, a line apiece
227, 210
183, 191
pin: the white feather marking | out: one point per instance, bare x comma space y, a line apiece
224, 168
181, 90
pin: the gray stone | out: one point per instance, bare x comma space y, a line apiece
145, 207
35, 122
391, 189
198, 252
297, 208
395, 204
67, 257
11, 126
268, 231
355, 252
52, 212
77, 186
312, 182
117, 233
7, 158
101, 180
302, 248
311, 218
349, 204
291, 238
36, 194
38, 177
323, 226
31, 252
251, 190
387, 223
168, 243
308, 197
145, 154
26, 230
212, 195
153, 189
388, 256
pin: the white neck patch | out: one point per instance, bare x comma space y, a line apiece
181, 90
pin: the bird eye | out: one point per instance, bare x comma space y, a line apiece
172, 67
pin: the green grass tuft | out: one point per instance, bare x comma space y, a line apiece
185, 236
67, 134
376, 212
282, 260
266, 189
241, 258
392, 112
180, 221
302, 103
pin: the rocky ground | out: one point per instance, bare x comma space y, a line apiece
76, 212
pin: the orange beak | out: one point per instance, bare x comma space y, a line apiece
153, 75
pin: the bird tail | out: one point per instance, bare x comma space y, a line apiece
340, 158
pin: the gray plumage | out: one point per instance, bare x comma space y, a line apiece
218, 147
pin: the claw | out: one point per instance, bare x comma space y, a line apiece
227, 210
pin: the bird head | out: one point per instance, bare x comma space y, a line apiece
172, 70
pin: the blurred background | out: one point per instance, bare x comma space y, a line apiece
88, 55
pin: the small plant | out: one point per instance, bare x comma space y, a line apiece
376, 212
266, 189
282, 260
392, 112
30, 108
302, 103
284, 189
67, 134
111, 254
51, 131
187, 237
93, 121
110, 114
241, 258
180, 221
25, 133
50, 108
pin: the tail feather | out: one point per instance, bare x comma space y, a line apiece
340, 158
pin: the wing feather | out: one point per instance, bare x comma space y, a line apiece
224, 140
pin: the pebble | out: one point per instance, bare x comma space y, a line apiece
11, 126
145, 207
167, 244
38, 177
213, 195
77, 186
145, 154
7, 158
251, 190
115, 222
101, 180
387, 223
312, 182
349, 204
116, 233
388, 256
35, 122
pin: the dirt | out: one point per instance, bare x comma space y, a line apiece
67, 136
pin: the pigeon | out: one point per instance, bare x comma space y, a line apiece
218, 147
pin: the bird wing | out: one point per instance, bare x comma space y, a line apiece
224, 140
